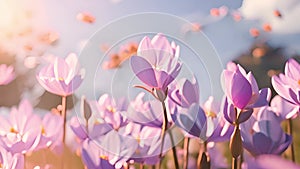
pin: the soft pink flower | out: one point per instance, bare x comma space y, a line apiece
20, 132
62, 77
6, 74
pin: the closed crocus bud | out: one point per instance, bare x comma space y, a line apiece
86, 109
242, 94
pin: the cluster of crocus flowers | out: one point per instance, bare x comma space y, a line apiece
119, 133
25, 132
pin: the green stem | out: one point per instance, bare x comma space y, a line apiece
64, 115
290, 131
186, 152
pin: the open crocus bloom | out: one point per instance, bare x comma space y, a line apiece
20, 132
6, 74
262, 134
242, 93
148, 113
288, 85
62, 77
157, 62
283, 108
187, 114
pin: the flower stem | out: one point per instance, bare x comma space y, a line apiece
174, 150
164, 128
64, 115
163, 135
234, 163
141, 166
203, 159
290, 131
186, 152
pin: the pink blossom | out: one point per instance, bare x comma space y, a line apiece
20, 132
62, 77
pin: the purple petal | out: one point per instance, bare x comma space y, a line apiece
228, 110
281, 88
143, 70
241, 91
245, 115
263, 98
190, 92
262, 143
281, 148
172, 75
292, 69
146, 50
253, 82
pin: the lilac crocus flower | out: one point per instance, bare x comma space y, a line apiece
148, 141
242, 94
287, 85
147, 113
62, 77
262, 134
9, 160
157, 64
20, 132
187, 114
283, 108
110, 111
7, 74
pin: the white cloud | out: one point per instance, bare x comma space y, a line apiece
264, 12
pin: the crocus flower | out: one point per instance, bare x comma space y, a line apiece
148, 140
185, 93
157, 64
262, 134
62, 77
9, 160
147, 113
110, 111
20, 132
283, 108
187, 114
6, 74
287, 85
242, 93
